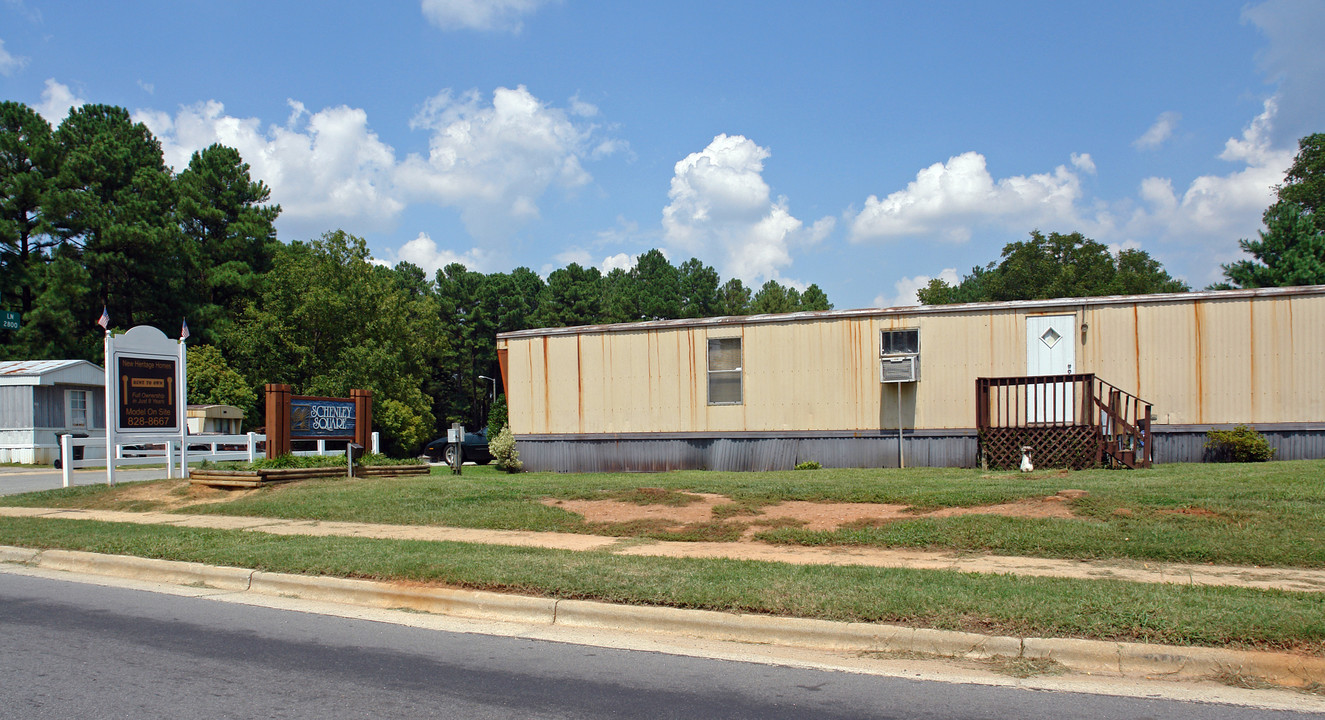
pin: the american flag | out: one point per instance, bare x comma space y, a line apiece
105, 318
184, 331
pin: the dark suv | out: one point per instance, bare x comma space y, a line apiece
474, 448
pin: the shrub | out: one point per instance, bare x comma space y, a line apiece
808, 465
504, 453
1241, 444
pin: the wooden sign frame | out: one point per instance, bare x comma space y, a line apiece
279, 421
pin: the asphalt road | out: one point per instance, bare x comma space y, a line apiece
31, 478
73, 650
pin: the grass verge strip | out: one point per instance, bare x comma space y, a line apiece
994, 604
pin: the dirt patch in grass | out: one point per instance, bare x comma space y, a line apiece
708, 509
173, 494
615, 511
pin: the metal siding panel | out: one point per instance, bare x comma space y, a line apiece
595, 379
16, 406
563, 377
1305, 351
48, 407
665, 367
98, 419
1169, 361
1225, 362
527, 409
1110, 348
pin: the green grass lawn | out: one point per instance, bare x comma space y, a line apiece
1270, 514
995, 604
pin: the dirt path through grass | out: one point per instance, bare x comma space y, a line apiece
1301, 580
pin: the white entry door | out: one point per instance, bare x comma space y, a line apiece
1051, 349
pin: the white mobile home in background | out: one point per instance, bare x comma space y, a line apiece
40, 400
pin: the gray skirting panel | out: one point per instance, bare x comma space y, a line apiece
753, 451
741, 452
1291, 441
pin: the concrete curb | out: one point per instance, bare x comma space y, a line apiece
443, 601
135, 568
1085, 656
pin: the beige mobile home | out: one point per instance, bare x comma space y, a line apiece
930, 385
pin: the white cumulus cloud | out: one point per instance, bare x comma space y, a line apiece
479, 14
493, 162
1084, 163
423, 252
1159, 132
1215, 210
619, 261
56, 102
324, 168
722, 212
329, 168
904, 290
946, 200
10, 64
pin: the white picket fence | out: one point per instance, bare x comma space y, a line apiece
154, 450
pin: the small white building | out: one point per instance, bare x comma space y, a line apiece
40, 400
222, 419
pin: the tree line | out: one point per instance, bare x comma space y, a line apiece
91, 218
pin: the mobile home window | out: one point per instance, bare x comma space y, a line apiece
900, 342
77, 408
724, 371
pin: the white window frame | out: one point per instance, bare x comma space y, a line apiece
69, 407
884, 350
727, 372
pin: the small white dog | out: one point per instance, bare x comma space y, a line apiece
1026, 465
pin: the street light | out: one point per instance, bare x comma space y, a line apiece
494, 386
491, 400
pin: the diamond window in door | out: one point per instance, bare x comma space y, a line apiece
1050, 338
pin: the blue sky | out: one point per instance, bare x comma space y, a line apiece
862, 146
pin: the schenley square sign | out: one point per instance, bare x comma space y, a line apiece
301, 417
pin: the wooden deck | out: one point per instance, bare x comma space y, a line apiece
1074, 421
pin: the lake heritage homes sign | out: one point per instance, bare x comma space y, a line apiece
146, 380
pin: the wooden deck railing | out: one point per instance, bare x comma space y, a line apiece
1124, 426
1075, 420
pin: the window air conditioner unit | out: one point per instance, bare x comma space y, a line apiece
899, 369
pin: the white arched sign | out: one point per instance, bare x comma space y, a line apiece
146, 388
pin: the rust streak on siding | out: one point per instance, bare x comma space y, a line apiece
694, 382
1136, 341
1256, 401
1197, 312
579, 381
547, 396
745, 373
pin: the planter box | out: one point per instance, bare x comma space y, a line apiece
391, 470
261, 478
